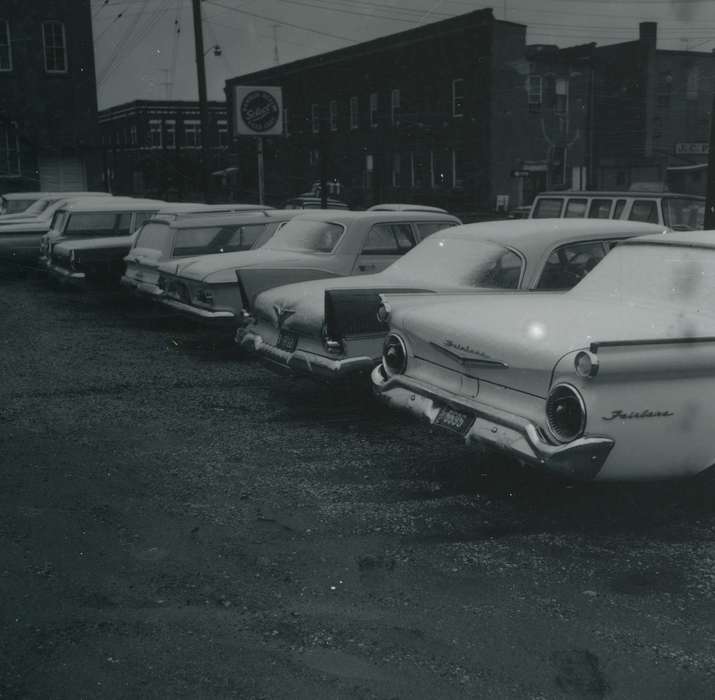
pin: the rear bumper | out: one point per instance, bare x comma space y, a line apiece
144, 289
581, 459
62, 274
301, 361
213, 318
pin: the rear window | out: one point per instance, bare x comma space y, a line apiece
15, 206
683, 213
307, 236
618, 209
576, 208
141, 216
216, 239
600, 209
152, 236
389, 239
548, 208
95, 223
426, 229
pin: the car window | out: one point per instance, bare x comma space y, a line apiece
307, 236
683, 214
618, 209
644, 210
427, 228
548, 208
95, 223
388, 239
58, 219
504, 272
216, 239
576, 208
600, 209
124, 224
141, 216
152, 236
569, 264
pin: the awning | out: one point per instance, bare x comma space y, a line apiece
697, 166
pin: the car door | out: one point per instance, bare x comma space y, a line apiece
384, 243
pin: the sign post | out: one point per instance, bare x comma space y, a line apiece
259, 113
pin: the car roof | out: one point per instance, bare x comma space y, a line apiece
342, 216
113, 204
198, 207
688, 239
41, 195
200, 220
617, 193
405, 207
531, 234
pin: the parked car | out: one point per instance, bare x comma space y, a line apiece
313, 245
19, 203
20, 237
680, 212
612, 380
330, 329
312, 201
113, 218
165, 238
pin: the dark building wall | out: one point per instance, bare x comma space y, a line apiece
426, 153
55, 114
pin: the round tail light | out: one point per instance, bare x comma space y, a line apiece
565, 413
394, 355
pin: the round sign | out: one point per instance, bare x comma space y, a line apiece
259, 110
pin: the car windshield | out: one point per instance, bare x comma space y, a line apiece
95, 223
654, 275
216, 239
307, 236
461, 262
683, 213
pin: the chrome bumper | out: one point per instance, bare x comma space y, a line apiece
64, 275
203, 315
302, 362
581, 459
144, 289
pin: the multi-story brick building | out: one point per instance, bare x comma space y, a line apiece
48, 96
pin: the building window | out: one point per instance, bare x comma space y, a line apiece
693, 83
458, 97
354, 106
170, 133
5, 47
396, 170
373, 109
333, 111
222, 129
533, 90
394, 106
55, 50
155, 133
561, 96
9, 151
133, 134
315, 118
192, 133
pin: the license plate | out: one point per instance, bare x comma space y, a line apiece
287, 341
457, 421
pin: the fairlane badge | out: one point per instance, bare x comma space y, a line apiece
458, 351
282, 313
647, 413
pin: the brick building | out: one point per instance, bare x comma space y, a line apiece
153, 148
48, 96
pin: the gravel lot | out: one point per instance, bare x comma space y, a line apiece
176, 521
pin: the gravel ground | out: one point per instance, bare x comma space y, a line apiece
176, 521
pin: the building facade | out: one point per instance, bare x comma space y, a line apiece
153, 148
48, 97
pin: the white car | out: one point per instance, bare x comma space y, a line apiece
613, 380
329, 329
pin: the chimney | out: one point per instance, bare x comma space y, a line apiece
648, 32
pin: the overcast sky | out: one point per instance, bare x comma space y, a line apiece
145, 48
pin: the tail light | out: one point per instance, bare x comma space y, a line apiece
565, 413
394, 355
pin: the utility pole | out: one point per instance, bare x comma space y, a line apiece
710, 191
203, 104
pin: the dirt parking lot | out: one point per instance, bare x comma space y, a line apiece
176, 521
